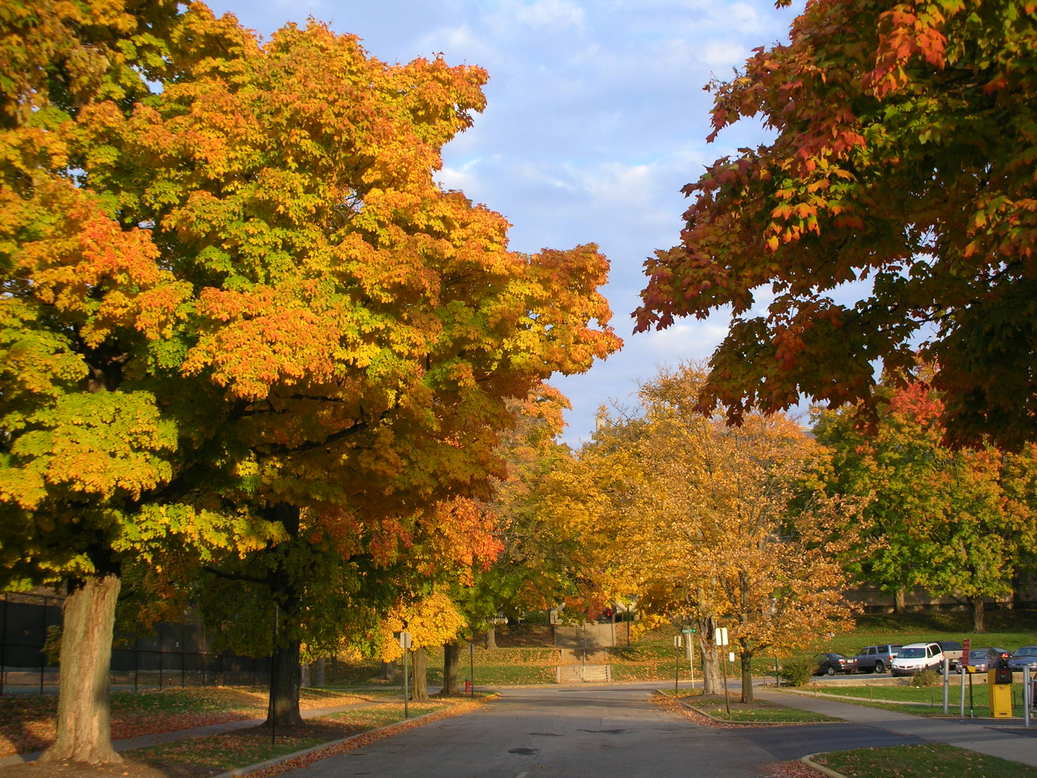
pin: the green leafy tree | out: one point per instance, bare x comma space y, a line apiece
903, 159
954, 522
238, 312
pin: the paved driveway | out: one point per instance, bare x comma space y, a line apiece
587, 731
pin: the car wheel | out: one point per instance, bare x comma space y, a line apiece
879, 667
830, 670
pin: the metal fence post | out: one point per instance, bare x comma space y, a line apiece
43, 648
183, 658
3, 647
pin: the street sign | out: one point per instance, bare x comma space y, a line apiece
678, 641
405, 641
689, 631
720, 636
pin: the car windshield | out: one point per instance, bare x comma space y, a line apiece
911, 653
1027, 651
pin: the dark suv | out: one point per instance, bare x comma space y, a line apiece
876, 659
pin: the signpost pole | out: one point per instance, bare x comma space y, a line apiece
676, 662
1027, 696
405, 643
946, 685
691, 661
720, 639
961, 676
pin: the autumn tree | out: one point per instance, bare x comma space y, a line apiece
238, 312
724, 534
953, 522
902, 160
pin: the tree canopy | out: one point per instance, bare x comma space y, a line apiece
726, 522
903, 157
955, 522
236, 305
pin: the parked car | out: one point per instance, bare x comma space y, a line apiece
983, 658
953, 650
876, 659
916, 657
830, 664
1023, 658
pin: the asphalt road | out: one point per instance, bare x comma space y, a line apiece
588, 731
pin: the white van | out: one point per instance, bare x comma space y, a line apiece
916, 657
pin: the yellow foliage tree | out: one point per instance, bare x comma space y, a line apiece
724, 534
431, 621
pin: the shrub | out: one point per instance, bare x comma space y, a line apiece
925, 678
795, 671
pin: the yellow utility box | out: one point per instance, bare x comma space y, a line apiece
1000, 697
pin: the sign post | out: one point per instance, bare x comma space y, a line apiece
678, 641
720, 638
405, 643
689, 647
946, 685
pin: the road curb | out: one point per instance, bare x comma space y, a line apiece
809, 761
332, 744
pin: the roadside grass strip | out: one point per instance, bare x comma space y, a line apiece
918, 701
251, 751
920, 761
28, 724
711, 710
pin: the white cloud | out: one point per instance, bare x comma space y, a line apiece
460, 43
544, 14
687, 340
460, 177
723, 54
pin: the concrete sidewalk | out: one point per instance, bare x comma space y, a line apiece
158, 738
1008, 740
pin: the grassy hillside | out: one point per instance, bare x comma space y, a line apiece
526, 656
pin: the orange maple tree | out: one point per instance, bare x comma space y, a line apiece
894, 207
238, 311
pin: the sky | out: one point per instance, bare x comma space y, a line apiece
596, 118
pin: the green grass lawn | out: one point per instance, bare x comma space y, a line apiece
921, 761
758, 711
1006, 629
929, 699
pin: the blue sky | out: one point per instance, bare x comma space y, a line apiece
596, 118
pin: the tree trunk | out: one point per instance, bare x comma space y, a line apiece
285, 677
319, 672
979, 623
491, 637
711, 680
88, 621
451, 668
747, 675
900, 601
420, 657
